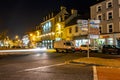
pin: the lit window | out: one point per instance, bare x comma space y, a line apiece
49, 24
59, 19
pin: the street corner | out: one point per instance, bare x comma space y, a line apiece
106, 73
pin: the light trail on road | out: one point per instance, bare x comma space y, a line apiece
24, 50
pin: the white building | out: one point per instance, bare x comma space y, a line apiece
108, 12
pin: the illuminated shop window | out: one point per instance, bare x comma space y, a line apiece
110, 41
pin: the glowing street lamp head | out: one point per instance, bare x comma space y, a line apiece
16, 37
31, 34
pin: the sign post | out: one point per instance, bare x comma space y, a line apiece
91, 28
88, 52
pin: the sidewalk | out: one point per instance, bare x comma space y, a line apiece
99, 61
106, 69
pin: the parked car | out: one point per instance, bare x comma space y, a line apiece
111, 49
77, 49
90, 47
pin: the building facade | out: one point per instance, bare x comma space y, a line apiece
52, 27
75, 33
108, 12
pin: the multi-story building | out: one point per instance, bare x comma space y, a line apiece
52, 27
74, 32
108, 11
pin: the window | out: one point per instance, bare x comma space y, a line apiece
76, 29
70, 30
109, 4
47, 26
109, 15
100, 29
99, 17
110, 28
99, 8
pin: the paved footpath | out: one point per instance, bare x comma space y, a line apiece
108, 73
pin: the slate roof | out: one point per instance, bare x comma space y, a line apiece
74, 20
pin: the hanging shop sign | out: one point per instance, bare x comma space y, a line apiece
94, 29
83, 24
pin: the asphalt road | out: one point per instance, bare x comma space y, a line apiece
44, 66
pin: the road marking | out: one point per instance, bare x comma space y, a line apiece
95, 73
32, 69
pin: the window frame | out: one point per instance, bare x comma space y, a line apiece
108, 16
99, 8
108, 28
98, 16
107, 4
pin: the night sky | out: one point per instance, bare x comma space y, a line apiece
20, 16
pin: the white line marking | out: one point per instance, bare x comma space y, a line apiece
32, 69
95, 73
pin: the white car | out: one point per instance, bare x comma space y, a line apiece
91, 48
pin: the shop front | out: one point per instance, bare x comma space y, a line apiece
81, 40
110, 39
48, 44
